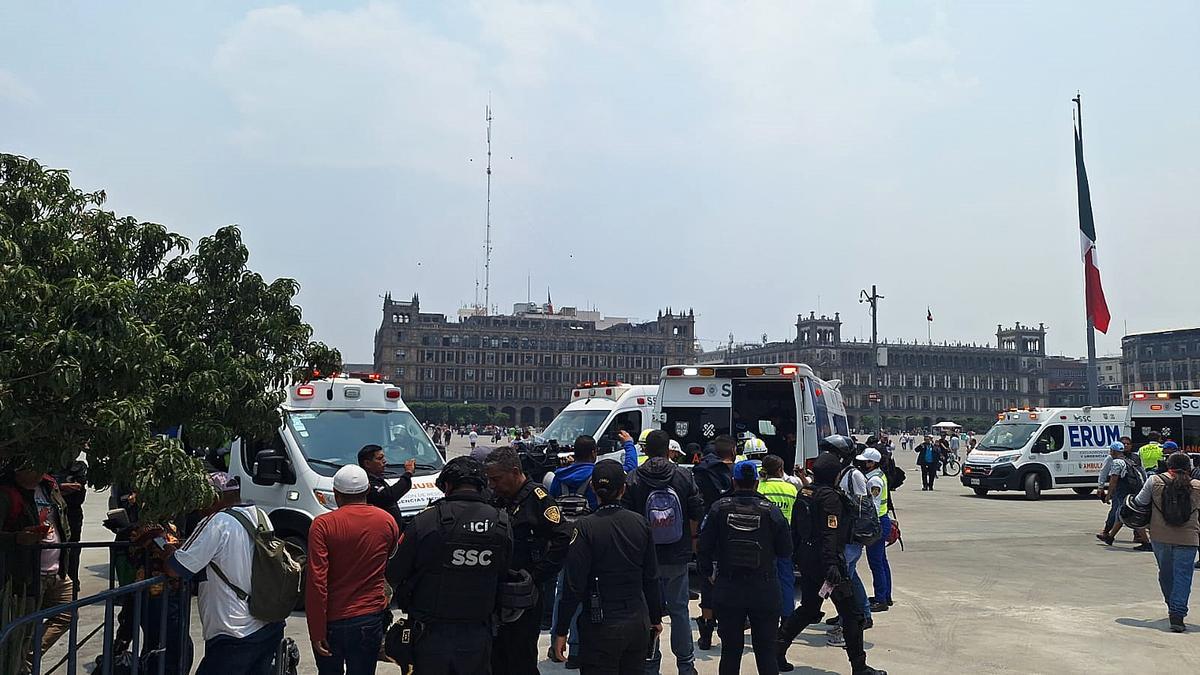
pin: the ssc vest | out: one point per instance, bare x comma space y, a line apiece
781, 493
465, 571
883, 493
747, 544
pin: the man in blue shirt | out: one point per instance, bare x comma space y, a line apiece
929, 457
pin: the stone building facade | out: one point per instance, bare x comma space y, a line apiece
524, 364
922, 383
1168, 359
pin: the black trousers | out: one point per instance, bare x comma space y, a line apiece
928, 474
515, 649
454, 649
731, 626
613, 648
809, 612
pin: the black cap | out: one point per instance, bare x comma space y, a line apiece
608, 476
462, 470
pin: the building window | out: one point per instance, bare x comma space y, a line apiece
400, 371
400, 354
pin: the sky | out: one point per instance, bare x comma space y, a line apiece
750, 160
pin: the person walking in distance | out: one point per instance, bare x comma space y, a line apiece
611, 574
450, 564
666, 494
821, 530
1174, 498
474, 438
740, 540
540, 542
346, 595
714, 477
782, 492
881, 570
381, 495
928, 458
953, 445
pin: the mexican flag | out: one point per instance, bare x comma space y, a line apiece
1097, 307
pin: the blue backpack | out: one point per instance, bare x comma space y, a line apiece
664, 512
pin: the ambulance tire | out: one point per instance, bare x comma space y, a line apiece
1033, 486
980, 491
1083, 491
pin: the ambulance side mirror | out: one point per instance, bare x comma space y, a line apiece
271, 467
1041, 446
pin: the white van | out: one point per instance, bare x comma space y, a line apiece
1175, 415
325, 423
784, 404
1044, 448
601, 410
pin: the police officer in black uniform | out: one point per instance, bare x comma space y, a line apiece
540, 542
740, 539
821, 527
379, 494
612, 571
451, 561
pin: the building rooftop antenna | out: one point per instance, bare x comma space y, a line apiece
487, 239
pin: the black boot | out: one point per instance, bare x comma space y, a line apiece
705, 627
860, 667
781, 648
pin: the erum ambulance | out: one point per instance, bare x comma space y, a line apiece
325, 423
601, 410
784, 404
1038, 449
1175, 415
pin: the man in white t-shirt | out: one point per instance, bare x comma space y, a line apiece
474, 438
234, 641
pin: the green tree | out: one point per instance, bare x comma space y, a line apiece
112, 331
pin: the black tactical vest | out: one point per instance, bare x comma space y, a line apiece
461, 582
747, 543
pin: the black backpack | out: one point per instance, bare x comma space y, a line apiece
1134, 477
573, 504
1176, 506
864, 517
895, 476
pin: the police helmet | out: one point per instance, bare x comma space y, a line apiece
837, 444
642, 436
517, 594
754, 447
461, 470
1134, 515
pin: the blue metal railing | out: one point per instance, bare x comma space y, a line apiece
12, 633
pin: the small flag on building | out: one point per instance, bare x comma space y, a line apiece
928, 314
1097, 307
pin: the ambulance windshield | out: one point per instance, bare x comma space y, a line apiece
571, 424
331, 439
1005, 436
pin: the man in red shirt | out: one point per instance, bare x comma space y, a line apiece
346, 596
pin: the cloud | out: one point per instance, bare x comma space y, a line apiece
13, 89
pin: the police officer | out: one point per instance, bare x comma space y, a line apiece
539, 547
379, 494
821, 530
451, 561
740, 540
611, 570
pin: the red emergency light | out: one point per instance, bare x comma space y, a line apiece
305, 391
696, 391
392, 394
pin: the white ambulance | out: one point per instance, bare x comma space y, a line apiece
601, 410
784, 404
325, 423
1038, 449
1175, 415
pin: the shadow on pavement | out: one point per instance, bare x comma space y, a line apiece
1161, 625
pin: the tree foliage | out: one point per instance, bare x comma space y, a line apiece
454, 413
113, 330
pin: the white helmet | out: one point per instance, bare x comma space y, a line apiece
674, 448
754, 447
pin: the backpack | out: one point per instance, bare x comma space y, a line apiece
1134, 478
664, 512
864, 517
574, 504
1176, 506
895, 476
276, 571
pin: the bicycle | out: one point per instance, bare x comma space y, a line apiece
951, 464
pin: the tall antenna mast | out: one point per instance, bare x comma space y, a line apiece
487, 240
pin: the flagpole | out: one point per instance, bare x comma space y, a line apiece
1093, 370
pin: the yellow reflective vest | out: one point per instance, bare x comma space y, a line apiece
781, 493
883, 493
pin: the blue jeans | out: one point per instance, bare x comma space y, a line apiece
1175, 567
355, 646
573, 634
881, 571
251, 655
787, 586
853, 553
673, 585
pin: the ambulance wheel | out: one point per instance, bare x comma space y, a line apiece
302, 543
980, 491
1033, 487
1083, 491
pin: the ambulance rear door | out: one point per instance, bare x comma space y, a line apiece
695, 409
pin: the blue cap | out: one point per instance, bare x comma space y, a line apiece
1170, 445
745, 470
1117, 445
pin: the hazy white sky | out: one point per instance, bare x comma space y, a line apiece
744, 159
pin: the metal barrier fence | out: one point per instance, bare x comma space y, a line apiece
134, 598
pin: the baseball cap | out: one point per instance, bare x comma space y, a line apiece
1117, 446
350, 480
745, 470
224, 482
870, 455
1170, 445
608, 474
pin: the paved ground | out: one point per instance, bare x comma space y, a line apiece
994, 585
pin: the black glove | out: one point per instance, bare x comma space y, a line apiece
834, 575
